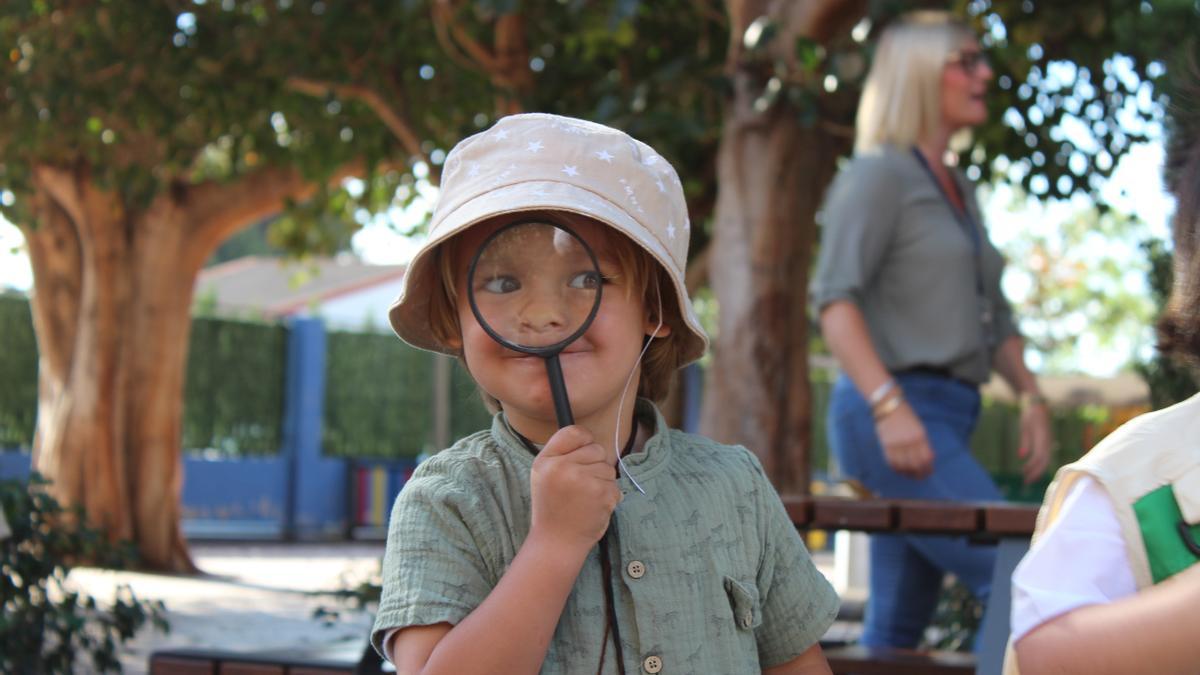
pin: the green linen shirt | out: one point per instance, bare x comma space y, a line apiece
710, 574
891, 244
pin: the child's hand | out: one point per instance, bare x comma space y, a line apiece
574, 489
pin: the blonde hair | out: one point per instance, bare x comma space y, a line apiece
902, 100
642, 271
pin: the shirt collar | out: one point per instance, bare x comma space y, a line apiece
642, 465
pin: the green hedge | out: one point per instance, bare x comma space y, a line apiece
233, 395
18, 373
378, 397
468, 414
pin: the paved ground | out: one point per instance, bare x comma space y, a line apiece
260, 596
254, 597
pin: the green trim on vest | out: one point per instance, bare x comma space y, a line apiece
1159, 517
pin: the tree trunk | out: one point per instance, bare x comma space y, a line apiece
772, 173
112, 312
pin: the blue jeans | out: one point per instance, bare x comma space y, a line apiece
907, 570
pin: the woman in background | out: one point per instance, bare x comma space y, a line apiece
908, 291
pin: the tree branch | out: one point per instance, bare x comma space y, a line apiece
215, 209
393, 120
60, 186
452, 37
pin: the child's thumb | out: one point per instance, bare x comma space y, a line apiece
566, 440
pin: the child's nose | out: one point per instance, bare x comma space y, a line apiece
544, 315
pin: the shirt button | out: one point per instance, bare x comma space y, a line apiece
636, 569
652, 664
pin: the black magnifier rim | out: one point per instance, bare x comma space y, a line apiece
547, 350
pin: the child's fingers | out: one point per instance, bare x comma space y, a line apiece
592, 453
567, 440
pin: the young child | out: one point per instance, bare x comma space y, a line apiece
1110, 583
492, 562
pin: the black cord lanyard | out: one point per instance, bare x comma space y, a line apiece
610, 604
611, 623
962, 216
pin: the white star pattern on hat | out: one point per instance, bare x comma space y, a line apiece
637, 192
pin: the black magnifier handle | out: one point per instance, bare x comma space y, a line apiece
558, 391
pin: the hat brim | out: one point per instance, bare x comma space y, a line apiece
409, 315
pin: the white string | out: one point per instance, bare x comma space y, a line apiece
625, 390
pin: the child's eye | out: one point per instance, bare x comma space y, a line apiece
586, 281
501, 284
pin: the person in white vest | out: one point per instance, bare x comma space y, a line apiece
1110, 583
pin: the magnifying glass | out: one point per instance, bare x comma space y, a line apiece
534, 287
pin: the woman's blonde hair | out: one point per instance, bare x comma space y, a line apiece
644, 275
902, 100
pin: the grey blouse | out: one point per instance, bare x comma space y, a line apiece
892, 244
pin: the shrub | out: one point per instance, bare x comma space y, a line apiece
45, 627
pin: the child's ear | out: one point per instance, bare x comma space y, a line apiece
455, 343
661, 332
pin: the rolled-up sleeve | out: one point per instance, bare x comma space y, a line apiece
433, 570
798, 602
857, 223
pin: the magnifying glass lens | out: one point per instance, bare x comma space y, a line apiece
535, 285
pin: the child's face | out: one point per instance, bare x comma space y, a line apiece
595, 366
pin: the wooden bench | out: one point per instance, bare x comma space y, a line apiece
1007, 526
329, 660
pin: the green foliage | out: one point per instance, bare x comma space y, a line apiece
216, 90
956, 619
253, 240
45, 626
233, 396
1078, 83
1080, 293
468, 413
1170, 382
18, 372
378, 397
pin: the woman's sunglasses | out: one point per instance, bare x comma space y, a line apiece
969, 61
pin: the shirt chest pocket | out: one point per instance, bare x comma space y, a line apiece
744, 603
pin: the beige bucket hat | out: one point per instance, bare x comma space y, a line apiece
541, 162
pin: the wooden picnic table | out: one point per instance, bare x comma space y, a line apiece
1005, 525
984, 521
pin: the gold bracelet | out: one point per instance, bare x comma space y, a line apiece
888, 405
